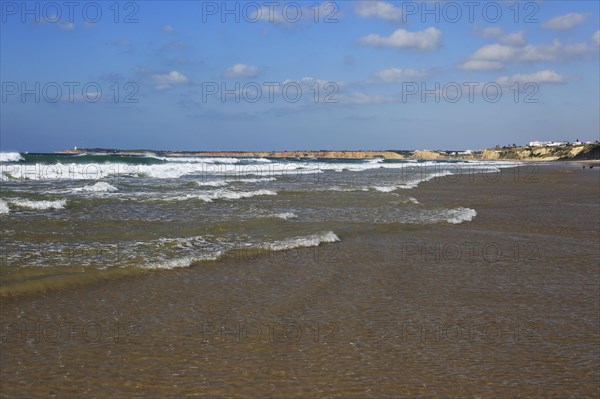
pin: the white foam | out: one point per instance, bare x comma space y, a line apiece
342, 189
459, 215
225, 182
69, 171
209, 160
254, 180
10, 157
100, 187
198, 159
185, 261
177, 168
264, 160
210, 196
302, 242
39, 205
286, 215
214, 183
232, 195
4, 209
385, 189
197, 242
414, 183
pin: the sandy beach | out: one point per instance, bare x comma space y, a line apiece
503, 306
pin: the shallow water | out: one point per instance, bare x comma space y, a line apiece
101, 212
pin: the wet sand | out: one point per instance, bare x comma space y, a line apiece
504, 306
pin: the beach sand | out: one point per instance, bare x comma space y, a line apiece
504, 306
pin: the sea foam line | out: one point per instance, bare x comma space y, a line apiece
459, 215
286, 215
210, 196
414, 183
99, 187
185, 261
313, 240
38, 205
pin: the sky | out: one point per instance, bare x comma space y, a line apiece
304, 75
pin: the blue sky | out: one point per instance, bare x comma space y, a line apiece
278, 75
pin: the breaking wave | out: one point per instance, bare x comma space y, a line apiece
4, 209
313, 240
10, 157
459, 215
100, 187
38, 205
210, 196
190, 243
414, 183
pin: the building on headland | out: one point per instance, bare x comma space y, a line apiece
552, 143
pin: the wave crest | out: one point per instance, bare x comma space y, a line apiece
4, 209
39, 205
313, 240
10, 157
100, 187
459, 215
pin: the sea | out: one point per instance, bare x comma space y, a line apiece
97, 212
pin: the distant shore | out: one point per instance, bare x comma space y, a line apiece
582, 152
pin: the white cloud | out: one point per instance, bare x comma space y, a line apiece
545, 76
167, 80
480, 65
515, 38
596, 37
567, 21
241, 71
66, 26
530, 53
428, 39
310, 81
379, 9
290, 14
391, 75
358, 98
494, 56
168, 29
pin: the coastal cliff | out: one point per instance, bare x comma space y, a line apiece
249, 154
564, 152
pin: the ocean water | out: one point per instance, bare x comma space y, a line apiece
85, 213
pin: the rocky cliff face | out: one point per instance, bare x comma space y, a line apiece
567, 152
251, 154
583, 152
425, 154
